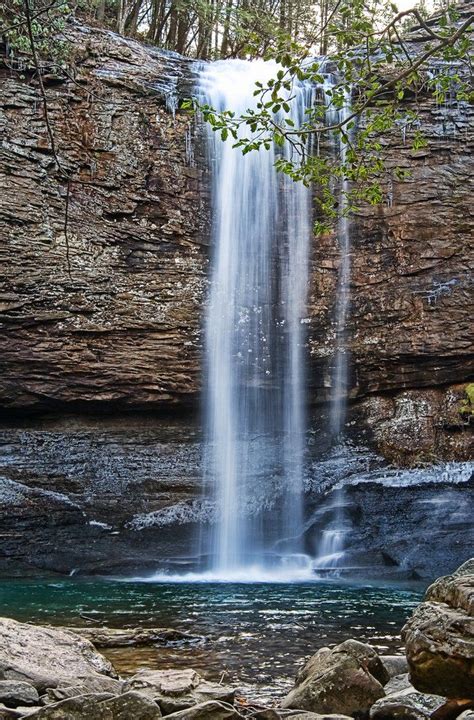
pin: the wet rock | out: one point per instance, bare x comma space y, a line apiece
211, 710
394, 664
407, 704
47, 657
439, 637
345, 680
398, 683
16, 692
414, 425
297, 715
8, 713
176, 690
97, 706
103, 637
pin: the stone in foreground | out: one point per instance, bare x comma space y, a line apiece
105, 637
47, 657
176, 690
439, 637
398, 683
18, 692
306, 715
211, 710
346, 680
395, 664
22, 711
407, 704
101, 706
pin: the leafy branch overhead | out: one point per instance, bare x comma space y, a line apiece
367, 87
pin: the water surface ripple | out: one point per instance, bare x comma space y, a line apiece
259, 633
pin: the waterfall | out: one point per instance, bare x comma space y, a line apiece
255, 370
339, 384
331, 547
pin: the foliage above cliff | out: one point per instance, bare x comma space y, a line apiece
206, 29
377, 69
369, 86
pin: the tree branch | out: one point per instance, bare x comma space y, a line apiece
49, 128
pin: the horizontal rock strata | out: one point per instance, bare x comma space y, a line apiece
108, 309
439, 636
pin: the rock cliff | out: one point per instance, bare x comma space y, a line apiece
103, 314
111, 313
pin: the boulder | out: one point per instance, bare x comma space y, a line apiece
297, 715
211, 710
395, 664
47, 657
456, 590
18, 692
408, 704
22, 711
439, 637
55, 695
398, 683
101, 706
176, 690
346, 680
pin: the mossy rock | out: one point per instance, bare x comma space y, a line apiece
466, 408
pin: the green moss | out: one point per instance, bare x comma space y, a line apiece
467, 404
469, 390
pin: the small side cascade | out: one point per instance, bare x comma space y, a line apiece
331, 549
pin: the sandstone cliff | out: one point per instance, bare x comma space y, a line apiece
109, 319
108, 315
115, 317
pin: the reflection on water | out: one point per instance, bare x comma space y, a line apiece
258, 633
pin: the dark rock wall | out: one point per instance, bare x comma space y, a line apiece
124, 495
113, 315
76, 493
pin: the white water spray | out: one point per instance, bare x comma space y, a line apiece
255, 417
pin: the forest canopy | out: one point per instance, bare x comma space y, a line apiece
216, 29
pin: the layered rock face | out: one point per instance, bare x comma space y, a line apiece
105, 308
439, 636
104, 313
124, 495
408, 331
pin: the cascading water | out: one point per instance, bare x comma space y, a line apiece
339, 384
255, 337
331, 548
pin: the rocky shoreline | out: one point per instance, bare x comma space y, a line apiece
57, 673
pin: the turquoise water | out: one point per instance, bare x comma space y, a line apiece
257, 633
